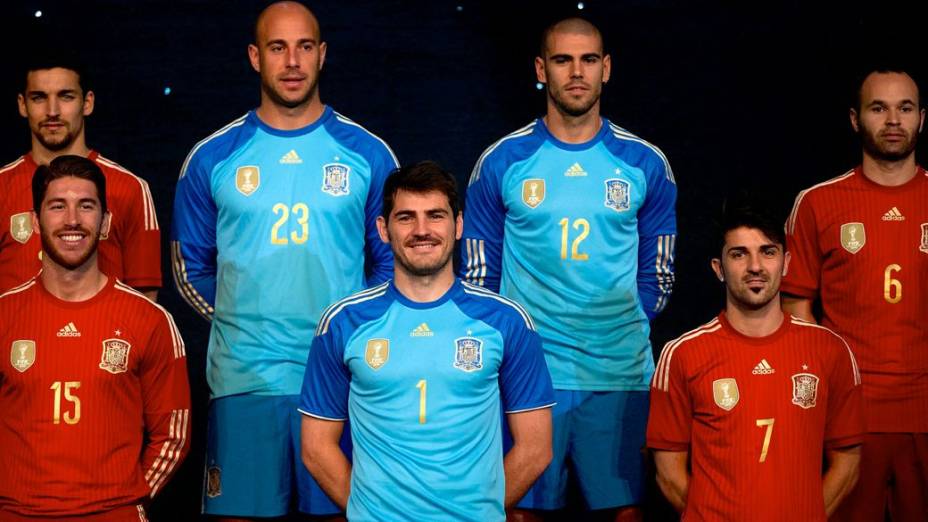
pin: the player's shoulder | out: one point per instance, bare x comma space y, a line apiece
634, 149
355, 309
356, 137
222, 143
827, 188
14, 167
515, 146
118, 175
17, 294
817, 332
136, 303
678, 349
492, 306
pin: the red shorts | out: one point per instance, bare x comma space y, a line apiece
121, 514
893, 479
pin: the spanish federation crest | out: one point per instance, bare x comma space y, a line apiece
468, 354
335, 179
22, 354
21, 226
247, 179
617, 194
115, 357
924, 245
725, 393
533, 192
805, 389
853, 237
377, 353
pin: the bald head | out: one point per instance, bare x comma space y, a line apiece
284, 9
569, 26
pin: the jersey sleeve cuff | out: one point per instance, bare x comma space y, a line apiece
845, 442
798, 291
668, 445
321, 417
143, 282
531, 408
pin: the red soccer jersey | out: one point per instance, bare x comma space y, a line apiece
95, 401
863, 248
129, 251
755, 413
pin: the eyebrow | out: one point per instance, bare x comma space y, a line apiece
884, 102
282, 41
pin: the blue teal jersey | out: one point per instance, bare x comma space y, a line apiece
423, 384
269, 228
583, 236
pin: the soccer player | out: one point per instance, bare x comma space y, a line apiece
94, 395
421, 366
860, 247
574, 217
274, 219
755, 398
55, 100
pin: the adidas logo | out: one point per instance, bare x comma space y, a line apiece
763, 368
893, 214
574, 171
421, 331
291, 158
69, 330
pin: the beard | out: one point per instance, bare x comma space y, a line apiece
420, 270
58, 142
48, 248
569, 107
883, 151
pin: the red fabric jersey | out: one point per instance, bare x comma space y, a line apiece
755, 413
129, 251
95, 401
863, 248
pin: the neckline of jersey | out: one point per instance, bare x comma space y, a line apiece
767, 339
409, 303
916, 179
326, 114
57, 301
592, 142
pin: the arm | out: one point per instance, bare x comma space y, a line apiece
798, 306
657, 234
324, 459
378, 264
140, 240
841, 476
166, 403
672, 476
484, 224
530, 453
801, 281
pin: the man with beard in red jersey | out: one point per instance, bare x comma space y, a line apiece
860, 246
96, 376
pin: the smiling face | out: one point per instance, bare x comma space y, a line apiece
574, 69
55, 106
70, 219
421, 230
751, 267
889, 118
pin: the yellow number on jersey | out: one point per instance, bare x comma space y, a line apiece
301, 210
892, 288
575, 253
69, 417
421, 385
769, 424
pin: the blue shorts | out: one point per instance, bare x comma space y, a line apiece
253, 464
599, 437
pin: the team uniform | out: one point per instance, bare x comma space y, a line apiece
423, 384
130, 250
582, 235
96, 403
270, 227
862, 248
756, 414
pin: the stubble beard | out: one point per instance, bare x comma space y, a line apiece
49, 250
876, 150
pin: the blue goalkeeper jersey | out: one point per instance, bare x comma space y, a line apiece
423, 384
269, 228
583, 236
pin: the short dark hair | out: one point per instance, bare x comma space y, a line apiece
42, 59
63, 167
883, 68
569, 23
740, 213
425, 176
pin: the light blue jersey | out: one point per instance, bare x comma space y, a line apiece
423, 384
269, 228
583, 235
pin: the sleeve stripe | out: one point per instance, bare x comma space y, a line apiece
791, 221
333, 419
476, 261
220, 132
338, 306
623, 134
151, 217
176, 340
661, 379
348, 121
797, 321
20, 288
483, 292
664, 270
171, 451
524, 131
187, 291
13, 164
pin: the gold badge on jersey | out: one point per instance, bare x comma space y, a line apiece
22, 354
115, 357
533, 192
247, 179
924, 246
213, 482
805, 390
725, 393
853, 237
21, 226
377, 353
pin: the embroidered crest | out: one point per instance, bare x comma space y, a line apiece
247, 179
22, 354
115, 357
21, 226
213, 481
853, 237
468, 354
335, 179
725, 393
377, 353
924, 246
617, 194
533, 192
805, 389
